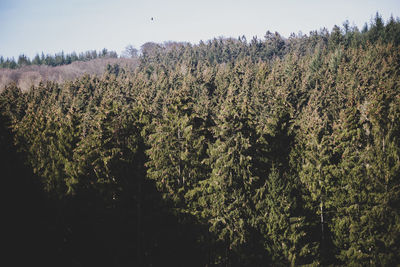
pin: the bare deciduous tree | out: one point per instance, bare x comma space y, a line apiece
130, 52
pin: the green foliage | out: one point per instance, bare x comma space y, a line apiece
57, 60
230, 152
177, 149
281, 229
232, 179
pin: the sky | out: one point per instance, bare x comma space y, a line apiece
51, 26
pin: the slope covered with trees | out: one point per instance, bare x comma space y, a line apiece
57, 60
226, 153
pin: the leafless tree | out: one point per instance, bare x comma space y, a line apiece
130, 52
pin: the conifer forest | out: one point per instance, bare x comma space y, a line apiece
230, 152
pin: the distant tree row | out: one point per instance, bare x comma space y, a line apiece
227, 50
57, 59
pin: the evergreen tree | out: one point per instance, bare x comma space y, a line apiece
105, 155
351, 194
231, 185
282, 231
318, 175
177, 149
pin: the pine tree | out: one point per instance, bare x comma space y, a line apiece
105, 155
278, 214
381, 220
177, 149
351, 194
12, 103
318, 175
231, 184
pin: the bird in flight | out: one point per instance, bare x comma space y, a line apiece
152, 18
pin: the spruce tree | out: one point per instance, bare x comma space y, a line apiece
318, 176
232, 181
177, 149
351, 193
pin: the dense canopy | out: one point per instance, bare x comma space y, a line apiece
230, 152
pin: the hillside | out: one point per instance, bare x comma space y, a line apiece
231, 152
27, 76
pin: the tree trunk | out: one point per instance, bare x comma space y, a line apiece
139, 220
323, 252
322, 219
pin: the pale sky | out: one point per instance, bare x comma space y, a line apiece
32, 26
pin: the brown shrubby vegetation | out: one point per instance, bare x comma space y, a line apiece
28, 76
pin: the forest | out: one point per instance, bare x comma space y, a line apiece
231, 152
57, 60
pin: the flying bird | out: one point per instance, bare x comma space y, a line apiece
152, 18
